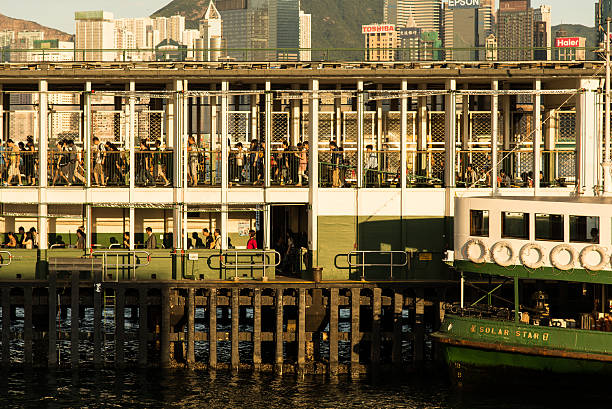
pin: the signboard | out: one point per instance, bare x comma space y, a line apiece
378, 28
409, 33
567, 42
464, 4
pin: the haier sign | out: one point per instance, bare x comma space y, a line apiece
567, 42
463, 4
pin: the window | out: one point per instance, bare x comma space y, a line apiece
584, 229
479, 223
549, 227
515, 225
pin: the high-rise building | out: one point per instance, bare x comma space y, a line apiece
603, 10
211, 34
305, 36
426, 13
24, 40
543, 34
515, 30
380, 42
466, 27
409, 41
261, 24
175, 27
95, 31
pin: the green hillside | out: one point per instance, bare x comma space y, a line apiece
335, 23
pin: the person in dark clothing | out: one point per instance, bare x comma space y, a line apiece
208, 239
197, 241
151, 242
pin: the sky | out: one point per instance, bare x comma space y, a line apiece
60, 13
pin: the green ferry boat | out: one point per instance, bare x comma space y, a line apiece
534, 295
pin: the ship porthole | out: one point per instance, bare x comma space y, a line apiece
476, 251
556, 257
502, 253
586, 253
529, 259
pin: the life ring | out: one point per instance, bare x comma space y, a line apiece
554, 260
525, 251
597, 249
483, 251
500, 245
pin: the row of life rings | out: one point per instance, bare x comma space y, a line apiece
476, 251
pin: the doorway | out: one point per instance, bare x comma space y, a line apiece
289, 234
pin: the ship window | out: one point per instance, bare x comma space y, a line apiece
549, 227
584, 229
515, 225
479, 223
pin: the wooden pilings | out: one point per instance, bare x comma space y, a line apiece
345, 329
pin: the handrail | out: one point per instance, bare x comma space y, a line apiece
363, 264
3, 263
132, 257
227, 254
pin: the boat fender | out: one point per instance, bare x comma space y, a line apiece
597, 249
554, 257
483, 251
525, 251
500, 245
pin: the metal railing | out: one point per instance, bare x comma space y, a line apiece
184, 53
234, 255
3, 260
114, 261
357, 259
19, 168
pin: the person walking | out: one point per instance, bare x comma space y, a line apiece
151, 242
13, 159
98, 158
252, 242
217, 242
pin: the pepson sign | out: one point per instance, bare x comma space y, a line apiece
567, 42
463, 4
377, 28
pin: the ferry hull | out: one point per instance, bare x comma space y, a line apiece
474, 354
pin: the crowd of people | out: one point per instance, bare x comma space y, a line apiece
22, 239
18, 162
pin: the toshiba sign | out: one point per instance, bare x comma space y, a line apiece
378, 28
567, 42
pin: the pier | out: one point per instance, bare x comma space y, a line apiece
347, 170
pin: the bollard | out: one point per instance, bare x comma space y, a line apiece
317, 274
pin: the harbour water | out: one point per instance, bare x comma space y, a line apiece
194, 389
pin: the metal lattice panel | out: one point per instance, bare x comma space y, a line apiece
238, 126
480, 126
280, 127
351, 127
65, 125
437, 130
566, 127
566, 165
150, 125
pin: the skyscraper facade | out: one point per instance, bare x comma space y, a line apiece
515, 30
466, 28
261, 24
305, 36
95, 31
426, 13
543, 34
